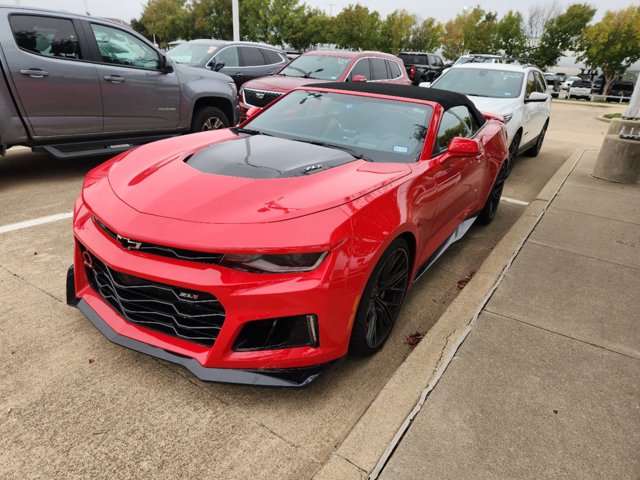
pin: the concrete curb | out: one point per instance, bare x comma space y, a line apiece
371, 442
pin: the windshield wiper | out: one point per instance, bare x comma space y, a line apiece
350, 151
250, 131
308, 74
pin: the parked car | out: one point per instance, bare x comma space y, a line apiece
553, 84
322, 66
618, 90
242, 61
479, 58
261, 254
566, 84
421, 66
517, 92
580, 89
75, 86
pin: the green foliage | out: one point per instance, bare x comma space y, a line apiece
212, 19
612, 44
472, 31
561, 33
356, 27
396, 31
167, 20
311, 28
510, 35
426, 37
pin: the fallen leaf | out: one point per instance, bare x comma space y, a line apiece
463, 283
414, 339
91, 360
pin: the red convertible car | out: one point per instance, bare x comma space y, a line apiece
263, 253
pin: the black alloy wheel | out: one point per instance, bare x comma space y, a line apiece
381, 300
513, 152
493, 202
535, 150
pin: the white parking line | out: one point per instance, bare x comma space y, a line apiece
36, 221
515, 201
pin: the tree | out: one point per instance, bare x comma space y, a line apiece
510, 34
561, 34
167, 20
311, 28
396, 31
537, 19
426, 36
472, 31
212, 19
355, 27
612, 44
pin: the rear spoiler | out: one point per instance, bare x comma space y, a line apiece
493, 116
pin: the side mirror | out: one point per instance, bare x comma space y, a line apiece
252, 112
537, 97
463, 147
359, 78
165, 64
216, 67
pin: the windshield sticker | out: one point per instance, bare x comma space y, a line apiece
343, 61
211, 49
400, 149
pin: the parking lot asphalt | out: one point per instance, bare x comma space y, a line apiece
74, 405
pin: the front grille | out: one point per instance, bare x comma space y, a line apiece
181, 254
260, 98
187, 314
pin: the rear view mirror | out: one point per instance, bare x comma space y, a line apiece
359, 78
463, 147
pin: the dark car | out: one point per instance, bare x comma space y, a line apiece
619, 90
242, 61
422, 67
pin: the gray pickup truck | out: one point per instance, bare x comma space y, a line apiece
73, 85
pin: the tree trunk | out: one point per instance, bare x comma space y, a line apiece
608, 82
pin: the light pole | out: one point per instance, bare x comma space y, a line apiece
634, 104
236, 20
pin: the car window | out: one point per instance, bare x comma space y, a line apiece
394, 69
250, 57
121, 48
48, 36
455, 122
540, 83
270, 56
378, 69
321, 67
228, 56
361, 68
481, 82
192, 53
531, 84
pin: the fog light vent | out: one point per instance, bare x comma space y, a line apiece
277, 333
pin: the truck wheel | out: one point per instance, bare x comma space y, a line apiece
209, 118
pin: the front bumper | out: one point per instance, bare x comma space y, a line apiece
292, 377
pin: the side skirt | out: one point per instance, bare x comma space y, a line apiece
457, 234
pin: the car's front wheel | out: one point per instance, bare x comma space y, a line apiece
209, 118
535, 150
381, 300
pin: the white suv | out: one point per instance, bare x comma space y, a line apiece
517, 92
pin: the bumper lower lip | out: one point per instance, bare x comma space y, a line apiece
291, 377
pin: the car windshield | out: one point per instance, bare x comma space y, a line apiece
323, 67
374, 129
482, 82
192, 53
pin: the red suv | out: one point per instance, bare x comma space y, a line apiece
323, 66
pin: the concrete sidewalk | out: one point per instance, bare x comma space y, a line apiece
547, 383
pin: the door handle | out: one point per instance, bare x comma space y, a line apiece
114, 78
34, 73
239, 74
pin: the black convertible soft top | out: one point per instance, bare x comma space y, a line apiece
444, 97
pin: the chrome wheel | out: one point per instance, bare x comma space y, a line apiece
212, 123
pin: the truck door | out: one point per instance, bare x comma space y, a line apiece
136, 95
57, 89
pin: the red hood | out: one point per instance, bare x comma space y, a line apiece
155, 179
279, 83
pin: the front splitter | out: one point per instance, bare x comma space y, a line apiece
290, 377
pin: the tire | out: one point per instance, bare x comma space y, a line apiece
513, 152
535, 150
209, 118
490, 207
381, 300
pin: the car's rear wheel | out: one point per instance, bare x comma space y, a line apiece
381, 300
490, 208
535, 150
513, 152
209, 118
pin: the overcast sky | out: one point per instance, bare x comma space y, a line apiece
441, 10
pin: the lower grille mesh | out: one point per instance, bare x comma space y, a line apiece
259, 98
190, 315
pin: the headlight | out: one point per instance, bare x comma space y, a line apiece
285, 263
507, 117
